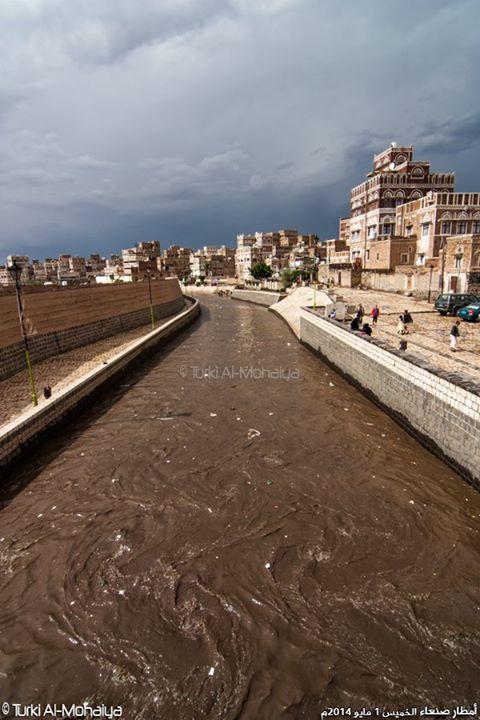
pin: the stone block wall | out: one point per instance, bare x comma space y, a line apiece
54, 318
442, 409
259, 297
19, 433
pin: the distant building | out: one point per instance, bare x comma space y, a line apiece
198, 265
27, 269
141, 259
281, 249
176, 262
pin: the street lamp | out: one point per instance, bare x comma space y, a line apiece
15, 271
430, 282
152, 316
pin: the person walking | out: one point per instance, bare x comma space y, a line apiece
360, 313
375, 313
454, 335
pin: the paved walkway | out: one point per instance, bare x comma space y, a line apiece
430, 337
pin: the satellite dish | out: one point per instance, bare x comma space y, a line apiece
393, 144
392, 166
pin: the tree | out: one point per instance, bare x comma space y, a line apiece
261, 271
286, 277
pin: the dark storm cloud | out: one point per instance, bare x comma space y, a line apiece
452, 136
191, 120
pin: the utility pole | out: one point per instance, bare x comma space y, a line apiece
152, 316
15, 271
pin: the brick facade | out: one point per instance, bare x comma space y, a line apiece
60, 320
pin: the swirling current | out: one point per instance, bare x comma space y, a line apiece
231, 530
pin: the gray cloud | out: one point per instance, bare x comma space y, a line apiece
453, 136
191, 120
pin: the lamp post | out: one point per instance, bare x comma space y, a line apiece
430, 282
152, 316
15, 271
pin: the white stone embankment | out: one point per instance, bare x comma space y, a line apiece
258, 297
441, 409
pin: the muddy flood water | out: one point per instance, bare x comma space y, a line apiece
263, 543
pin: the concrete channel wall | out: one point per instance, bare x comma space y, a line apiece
20, 432
259, 297
442, 409
66, 318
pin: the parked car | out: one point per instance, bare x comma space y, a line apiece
471, 313
451, 303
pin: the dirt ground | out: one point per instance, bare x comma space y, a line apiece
430, 335
60, 370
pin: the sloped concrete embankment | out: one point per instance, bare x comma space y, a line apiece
16, 435
289, 307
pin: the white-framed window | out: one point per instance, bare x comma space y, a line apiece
446, 228
355, 235
409, 230
458, 261
372, 231
461, 227
387, 229
425, 229
476, 227
404, 258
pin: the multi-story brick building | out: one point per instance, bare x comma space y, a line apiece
140, 259
433, 218
396, 178
462, 263
175, 261
213, 262
281, 249
198, 267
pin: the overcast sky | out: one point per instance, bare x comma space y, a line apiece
189, 121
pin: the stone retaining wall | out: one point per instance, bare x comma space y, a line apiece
17, 434
441, 408
259, 297
56, 318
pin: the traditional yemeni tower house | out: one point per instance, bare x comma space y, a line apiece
396, 179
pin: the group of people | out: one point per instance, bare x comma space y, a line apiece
403, 322
404, 325
358, 323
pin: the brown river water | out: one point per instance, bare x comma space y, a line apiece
235, 546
